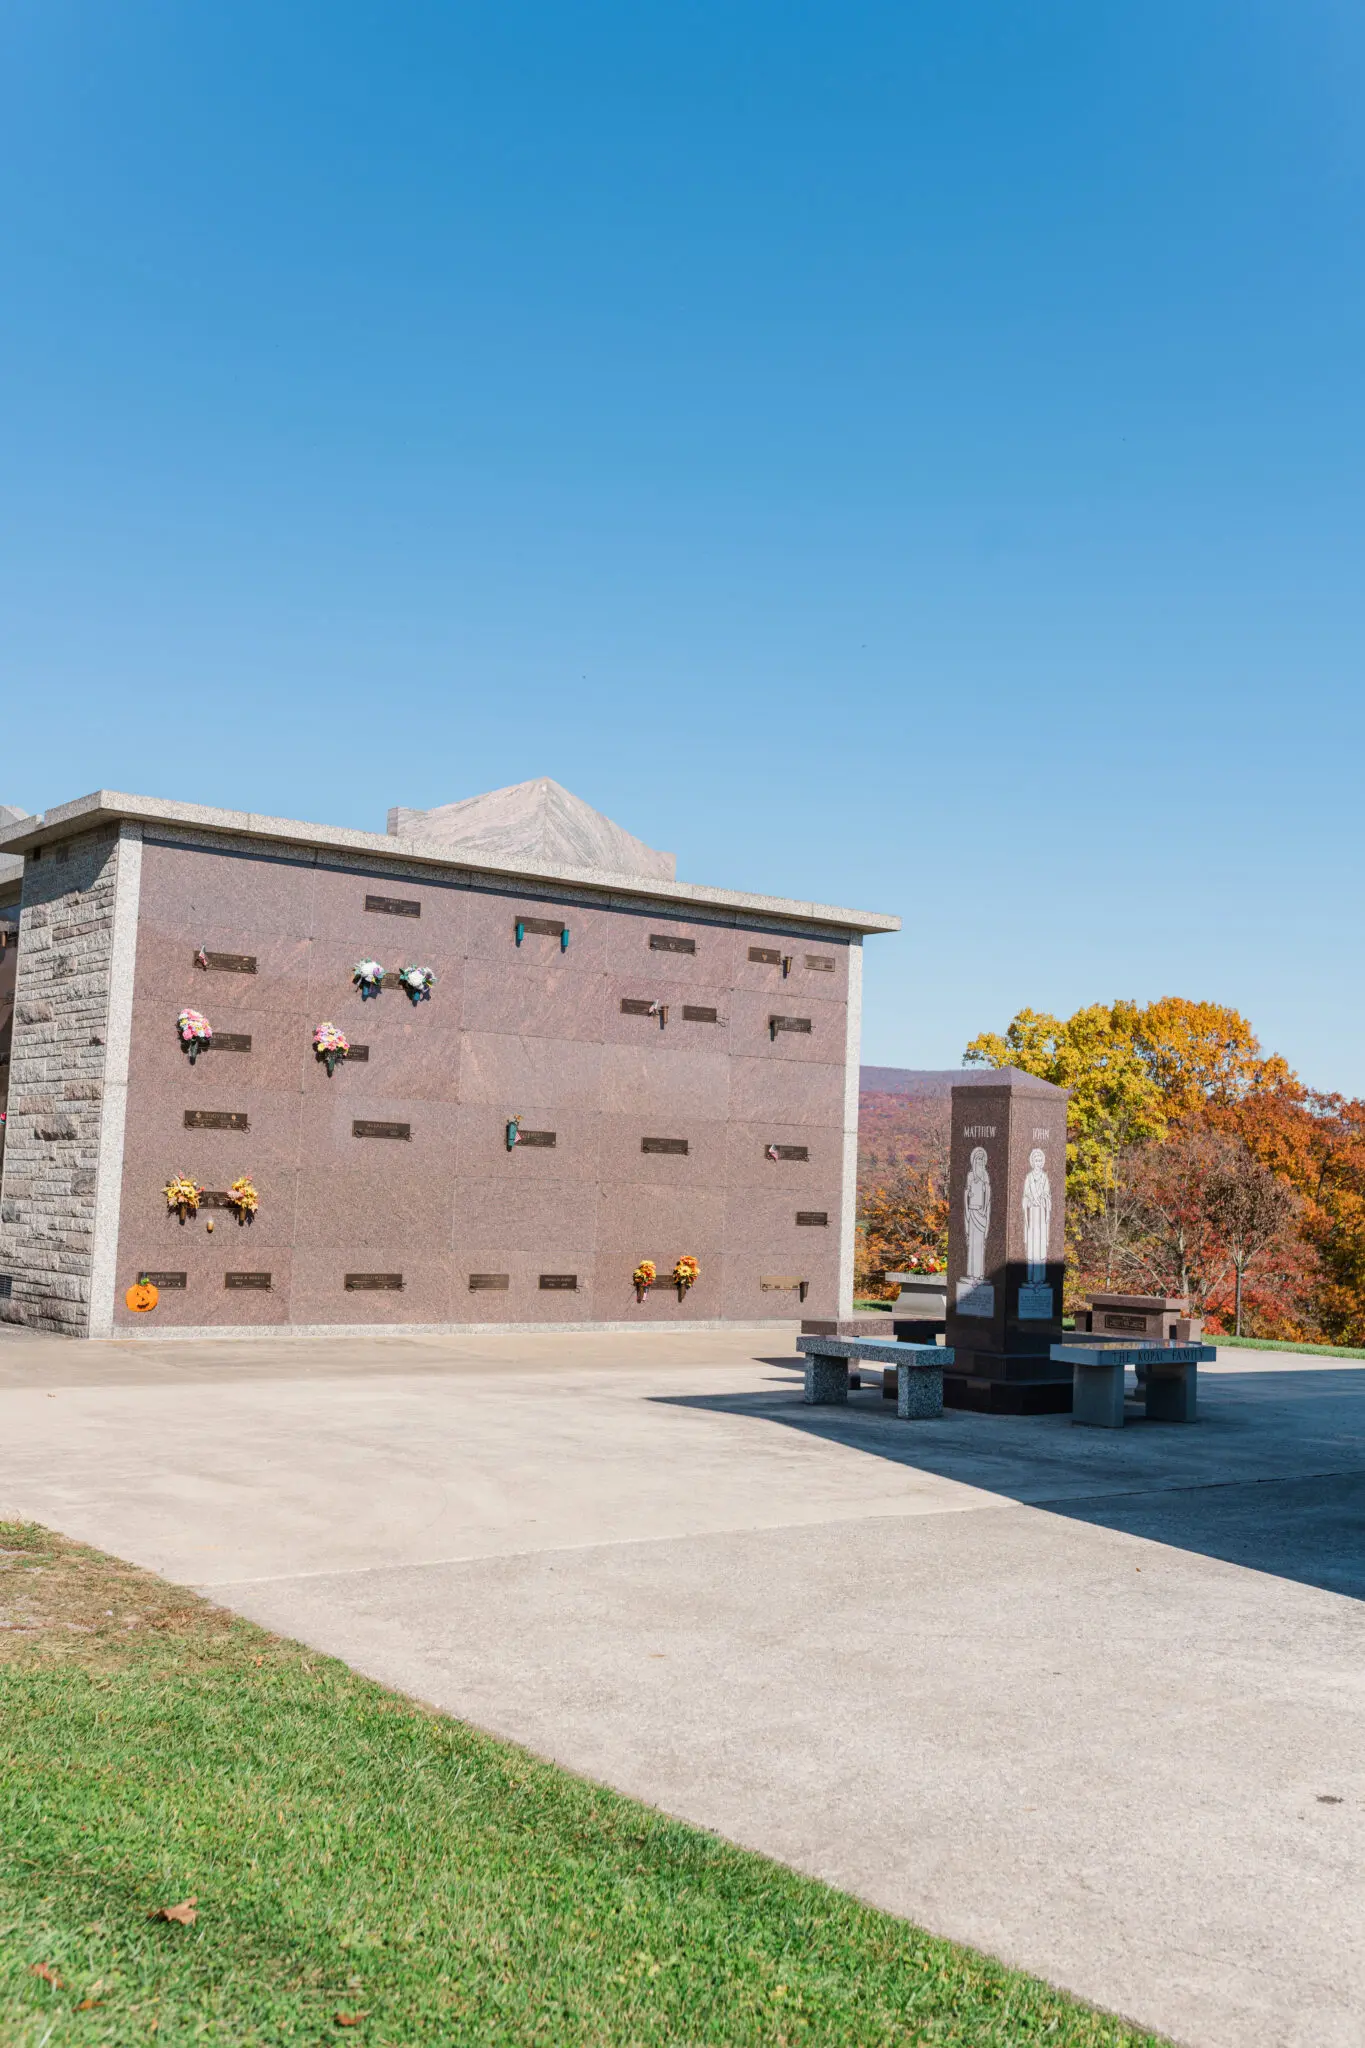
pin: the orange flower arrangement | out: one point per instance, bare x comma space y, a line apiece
643, 1278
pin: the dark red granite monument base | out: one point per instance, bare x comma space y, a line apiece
1006, 1397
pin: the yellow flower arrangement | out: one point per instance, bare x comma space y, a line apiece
643, 1278
244, 1199
685, 1274
182, 1196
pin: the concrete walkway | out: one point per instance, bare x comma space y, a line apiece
1094, 1702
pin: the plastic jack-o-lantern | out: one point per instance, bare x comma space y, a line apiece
141, 1297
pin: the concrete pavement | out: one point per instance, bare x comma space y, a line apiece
1094, 1702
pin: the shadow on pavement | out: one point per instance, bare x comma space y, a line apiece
1271, 1477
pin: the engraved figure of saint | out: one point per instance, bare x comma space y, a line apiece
976, 1212
1037, 1214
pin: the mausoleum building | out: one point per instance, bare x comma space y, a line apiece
559, 1062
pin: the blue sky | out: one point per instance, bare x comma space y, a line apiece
906, 455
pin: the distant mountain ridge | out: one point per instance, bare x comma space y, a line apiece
921, 1084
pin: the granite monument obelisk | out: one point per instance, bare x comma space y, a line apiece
1006, 1244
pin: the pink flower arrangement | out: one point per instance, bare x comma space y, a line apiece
330, 1045
195, 1032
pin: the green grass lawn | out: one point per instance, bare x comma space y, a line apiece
364, 1869
1282, 1344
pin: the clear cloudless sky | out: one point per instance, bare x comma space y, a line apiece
909, 455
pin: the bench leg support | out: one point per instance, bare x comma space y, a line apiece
826, 1380
919, 1392
1097, 1396
1172, 1396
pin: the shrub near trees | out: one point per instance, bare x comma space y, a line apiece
1199, 1165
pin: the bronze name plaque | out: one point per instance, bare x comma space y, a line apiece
227, 963
816, 1216
363, 1127
258, 1283
546, 927
697, 1013
374, 1283
489, 1283
166, 1280
663, 1144
1138, 1323
545, 1139
229, 1041
393, 906
567, 1282
766, 956
638, 1006
791, 1151
776, 1024
216, 1120
664, 942
216, 1198
819, 963
783, 1283
358, 1052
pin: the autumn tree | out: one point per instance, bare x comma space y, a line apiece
1248, 1210
902, 1217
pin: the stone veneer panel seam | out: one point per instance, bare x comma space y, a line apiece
848, 1208
118, 1042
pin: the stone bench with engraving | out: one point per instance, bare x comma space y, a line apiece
1168, 1379
919, 1371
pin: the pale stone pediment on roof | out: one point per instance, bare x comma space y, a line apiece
540, 821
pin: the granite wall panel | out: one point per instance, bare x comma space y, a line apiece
533, 1031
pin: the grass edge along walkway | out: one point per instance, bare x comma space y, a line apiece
357, 1861
1283, 1344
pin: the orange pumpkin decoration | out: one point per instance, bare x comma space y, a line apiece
142, 1296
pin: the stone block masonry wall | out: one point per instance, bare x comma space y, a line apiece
58, 1076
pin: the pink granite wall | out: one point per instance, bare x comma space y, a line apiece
531, 1031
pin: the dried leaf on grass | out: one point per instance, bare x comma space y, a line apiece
184, 1914
350, 2019
46, 1970
89, 2004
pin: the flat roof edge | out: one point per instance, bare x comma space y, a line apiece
105, 806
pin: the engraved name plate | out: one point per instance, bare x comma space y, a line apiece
637, 1006
166, 1280
664, 942
975, 1298
545, 1139
226, 963
697, 1013
776, 1024
229, 1041
766, 956
567, 1282
1137, 1324
545, 927
489, 1283
374, 1283
663, 1144
393, 906
216, 1198
216, 1120
783, 1283
358, 1052
257, 1283
364, 1127
791, 1151
1035, 1302
819, 963
815, 1216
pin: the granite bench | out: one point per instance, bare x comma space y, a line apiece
1171, 1385
919, 1371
